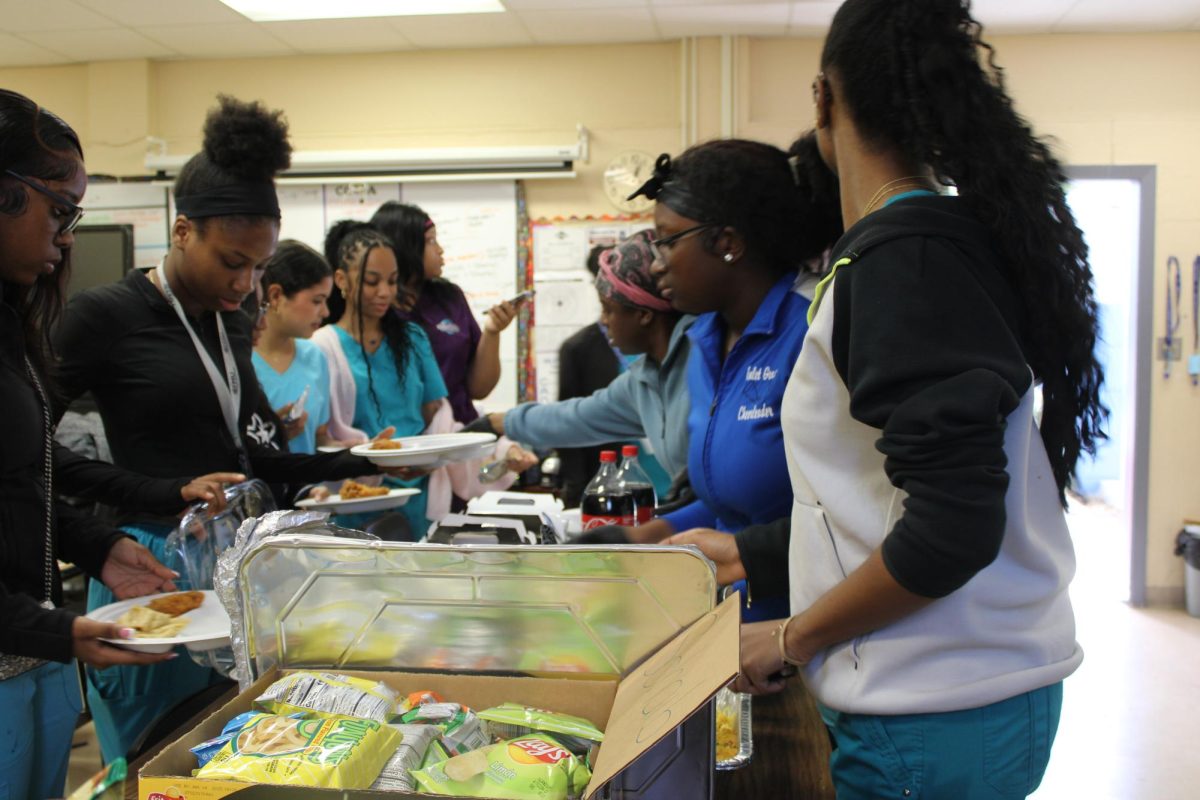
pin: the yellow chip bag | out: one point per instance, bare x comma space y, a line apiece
327, 694
534, 767
336, 753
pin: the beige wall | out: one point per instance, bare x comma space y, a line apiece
1107, 99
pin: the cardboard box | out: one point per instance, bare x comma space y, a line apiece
636, 709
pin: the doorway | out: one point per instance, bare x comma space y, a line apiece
1114, 206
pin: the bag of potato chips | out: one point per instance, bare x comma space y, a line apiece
534, 767
336, 753
325, 694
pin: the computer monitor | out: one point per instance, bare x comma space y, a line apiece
101, 254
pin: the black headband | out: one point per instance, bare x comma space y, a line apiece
668, 189
235, 199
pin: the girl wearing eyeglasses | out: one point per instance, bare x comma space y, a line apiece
735, 222
167, 357
42, 182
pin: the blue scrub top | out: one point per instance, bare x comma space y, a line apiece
397, 399
310, 370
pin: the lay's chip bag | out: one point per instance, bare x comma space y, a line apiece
336, 753
534, 767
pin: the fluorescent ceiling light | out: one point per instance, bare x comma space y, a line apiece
277, 10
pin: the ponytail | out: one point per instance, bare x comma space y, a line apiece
928, 95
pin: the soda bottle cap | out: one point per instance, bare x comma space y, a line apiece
630, 450
608, 456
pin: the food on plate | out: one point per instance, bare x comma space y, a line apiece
151, 624
386, 444
175, 604
352, 490
336, 753
529, 766
325, 694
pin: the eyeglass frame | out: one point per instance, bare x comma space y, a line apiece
75, 211
669, 241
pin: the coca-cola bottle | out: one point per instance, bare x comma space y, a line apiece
638, 483
606, 501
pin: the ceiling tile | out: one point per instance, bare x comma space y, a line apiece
590, 26
1123, 15
339, 35
757, 19
106, 45
237, 40
144, 13
463, 30
812, 18
16, 52
17, 16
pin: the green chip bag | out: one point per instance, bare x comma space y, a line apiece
337, 753
510, 720
534, 767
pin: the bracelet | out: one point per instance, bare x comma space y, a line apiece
781, 636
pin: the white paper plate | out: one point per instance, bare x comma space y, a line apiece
330, 448
358, 505
430, 451
208, 628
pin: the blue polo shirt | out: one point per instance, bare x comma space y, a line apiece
736, 460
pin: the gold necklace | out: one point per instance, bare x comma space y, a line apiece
908, 182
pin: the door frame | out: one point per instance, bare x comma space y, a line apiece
1142, 324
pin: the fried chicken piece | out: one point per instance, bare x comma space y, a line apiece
352, 490
178, 603
386, 444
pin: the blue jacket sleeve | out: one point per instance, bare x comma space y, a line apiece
693, 515
607, 415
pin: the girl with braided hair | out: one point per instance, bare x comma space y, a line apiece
929, 554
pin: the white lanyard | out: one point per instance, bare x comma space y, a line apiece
229, 389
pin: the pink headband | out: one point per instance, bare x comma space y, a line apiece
634, 294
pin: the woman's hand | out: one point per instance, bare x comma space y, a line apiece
518, 459
721, 549
295, 427
763, 671
132, 571
499, 317
210, 489
87, 647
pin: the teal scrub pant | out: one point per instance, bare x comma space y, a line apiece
125, 700
40, 709
996, 752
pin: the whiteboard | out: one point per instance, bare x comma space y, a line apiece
566, 296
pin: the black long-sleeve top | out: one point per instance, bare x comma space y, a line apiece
26, 628
124, 343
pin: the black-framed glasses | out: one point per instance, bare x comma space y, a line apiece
669, 241
73, 211
254, 308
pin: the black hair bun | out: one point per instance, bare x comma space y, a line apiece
247, 140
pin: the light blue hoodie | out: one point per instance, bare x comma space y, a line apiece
647, 401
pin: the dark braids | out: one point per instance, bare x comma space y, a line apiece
348, 245
932, 99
